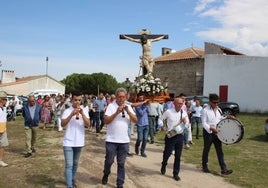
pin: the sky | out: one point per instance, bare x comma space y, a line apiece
82, 36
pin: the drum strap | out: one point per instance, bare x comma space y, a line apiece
179, 121
181, 115
220, 111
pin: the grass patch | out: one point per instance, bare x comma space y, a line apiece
248, 158
44, 168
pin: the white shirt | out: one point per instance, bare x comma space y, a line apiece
85, 108
3, 119
153, 109
210, 118
75, 129
197, 110
117, 130
173, 117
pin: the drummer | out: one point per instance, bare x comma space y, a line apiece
211, 116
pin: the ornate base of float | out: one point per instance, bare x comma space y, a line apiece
151, 88
160, 98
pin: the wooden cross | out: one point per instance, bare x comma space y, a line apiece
145, 38
141, 33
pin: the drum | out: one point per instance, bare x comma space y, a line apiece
178, 129
230, 131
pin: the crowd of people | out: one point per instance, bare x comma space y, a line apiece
75, 112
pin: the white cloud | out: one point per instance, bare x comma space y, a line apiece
242, 23
203, 4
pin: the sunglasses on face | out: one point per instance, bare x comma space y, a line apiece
215, 102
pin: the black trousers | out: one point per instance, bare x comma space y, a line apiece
174, 143
208, 140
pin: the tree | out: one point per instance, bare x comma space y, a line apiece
91, 83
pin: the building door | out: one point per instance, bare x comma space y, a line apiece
223, 94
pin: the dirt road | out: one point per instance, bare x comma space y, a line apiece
140, 172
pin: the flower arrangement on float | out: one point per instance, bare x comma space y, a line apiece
149, 85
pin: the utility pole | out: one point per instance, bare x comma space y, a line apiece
46, 73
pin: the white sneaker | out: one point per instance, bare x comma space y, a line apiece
3, 164
191, 142
186, 146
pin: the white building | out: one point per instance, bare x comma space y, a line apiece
26, 85
238, 78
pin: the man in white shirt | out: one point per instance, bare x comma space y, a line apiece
174, 117
196, 116
153, 124
75, 120
211, 116
3, 127
117, 118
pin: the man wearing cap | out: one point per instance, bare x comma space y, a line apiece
3, 127
211, 116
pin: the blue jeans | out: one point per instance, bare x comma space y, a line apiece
152, 125
142, 137
99, 120
120, 151
185, 136
176, 143
197, 121
72, 155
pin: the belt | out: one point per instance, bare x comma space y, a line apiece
151, 116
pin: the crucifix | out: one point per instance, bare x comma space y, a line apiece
145, 38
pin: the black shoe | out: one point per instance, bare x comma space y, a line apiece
206, 170
163, 170
119, 186
144, 155
27, 155
226, 172
104, 179
33, 150
129, 154
152, 142
176, 177
137, 150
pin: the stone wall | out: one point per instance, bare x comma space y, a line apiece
184, 76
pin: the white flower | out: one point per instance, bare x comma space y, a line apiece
150, 85
142, 80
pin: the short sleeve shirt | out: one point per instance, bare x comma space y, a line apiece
117, 130
75, 129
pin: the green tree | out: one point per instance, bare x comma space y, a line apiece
91, 83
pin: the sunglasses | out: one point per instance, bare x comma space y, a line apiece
215, 102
